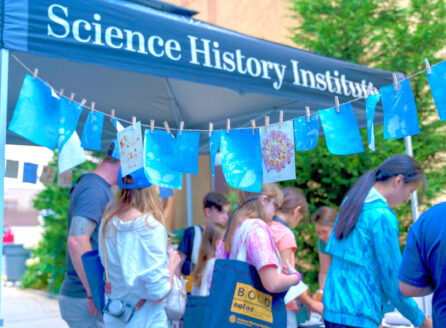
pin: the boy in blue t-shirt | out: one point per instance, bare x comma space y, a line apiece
423, 269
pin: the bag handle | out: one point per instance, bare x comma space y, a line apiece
242, 252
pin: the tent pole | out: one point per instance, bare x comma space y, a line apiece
190, 220
414, 195
3, 111
422, 301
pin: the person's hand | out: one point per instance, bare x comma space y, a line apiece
290, 269
174, 261
91, 307
317, 307
427, 323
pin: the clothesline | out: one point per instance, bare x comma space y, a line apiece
60, 94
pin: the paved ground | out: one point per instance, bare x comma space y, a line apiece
25, 309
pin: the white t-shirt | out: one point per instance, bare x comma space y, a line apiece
138, 268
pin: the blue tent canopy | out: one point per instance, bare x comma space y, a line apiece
152, 60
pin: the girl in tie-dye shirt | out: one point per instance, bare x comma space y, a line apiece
261, 251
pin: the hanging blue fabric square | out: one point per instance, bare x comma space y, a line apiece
214, 143
437, 82
241, 159
400, 111
341, 130
68, 119
36, 114
92, 133
370, 107
159, 158
29, 172
186, 150
165, 193
306, 134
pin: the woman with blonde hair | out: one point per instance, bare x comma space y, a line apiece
260, 249
133, 250
202, 274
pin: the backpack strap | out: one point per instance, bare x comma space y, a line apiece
196, 244
277, 219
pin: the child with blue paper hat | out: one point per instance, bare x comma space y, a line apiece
133, 250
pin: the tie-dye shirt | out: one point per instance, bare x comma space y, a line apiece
362, 282
260, 249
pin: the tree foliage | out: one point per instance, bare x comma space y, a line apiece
47, 268
380, 34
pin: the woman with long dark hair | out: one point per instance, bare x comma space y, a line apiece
362, 282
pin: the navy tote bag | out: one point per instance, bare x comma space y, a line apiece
95, 277
238, 299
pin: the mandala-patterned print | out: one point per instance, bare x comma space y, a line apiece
277, 151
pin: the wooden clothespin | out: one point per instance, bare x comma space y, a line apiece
307, 113
280, 118
369, 91
428, 66
337, 104
166, 126
395, 81
36, 71
83, 102
211, 127
61, 92
93, 104
253, 125
266, 123
112, 115
152, 125
228, 125
71, 98
133, 121
181, 126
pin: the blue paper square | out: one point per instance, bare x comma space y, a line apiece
165, 193
159, 157
92, 133
214, 143
341, 130
186, 150
306, 134
36, 114
400, 111
437, 82
68, 119
241, 159
29, 172
370, 107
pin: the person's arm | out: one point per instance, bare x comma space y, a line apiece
412, 291
180, 263
275, 282
79, 235
414, 276
314, 305
388, 255
324, 261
